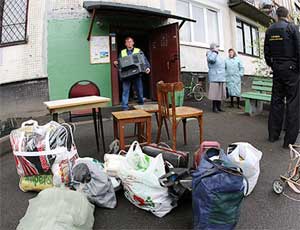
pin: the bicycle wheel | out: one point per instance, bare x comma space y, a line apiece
198, 92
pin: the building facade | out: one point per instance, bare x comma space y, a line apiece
55, 53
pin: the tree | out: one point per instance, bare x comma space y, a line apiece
261, 67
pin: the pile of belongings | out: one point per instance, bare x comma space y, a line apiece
43, 154
46, 159
140, 176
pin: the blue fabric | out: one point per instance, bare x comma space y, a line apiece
234, 72
216, 67
217, 195
138, 86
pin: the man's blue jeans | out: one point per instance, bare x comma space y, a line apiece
138, 85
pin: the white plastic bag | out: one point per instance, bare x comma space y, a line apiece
112, 164
65, 160
58, 209
247, 157
140, 177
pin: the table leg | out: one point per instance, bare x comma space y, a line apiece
115, 123
148, 131
121, 129
200, 123
100, 122
96, 128
55, 117
140, 132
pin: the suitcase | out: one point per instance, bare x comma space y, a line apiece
203, 147
177, 159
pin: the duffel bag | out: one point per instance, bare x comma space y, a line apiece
178, 159
218, 191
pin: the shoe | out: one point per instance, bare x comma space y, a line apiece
285, 146
218, 105
273, 139
214, 108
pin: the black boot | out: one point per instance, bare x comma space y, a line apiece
219, 106
238, 102
231, 102
214, 108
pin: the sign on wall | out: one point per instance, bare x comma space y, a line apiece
99, 49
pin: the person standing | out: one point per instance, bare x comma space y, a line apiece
216, 77
234, 72
282, 49
136, 79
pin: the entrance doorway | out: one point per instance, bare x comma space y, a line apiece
141, 40
161, 47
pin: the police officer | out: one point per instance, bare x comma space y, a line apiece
136, 80
282, 49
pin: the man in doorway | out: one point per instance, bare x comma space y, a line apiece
282, 50
136, 80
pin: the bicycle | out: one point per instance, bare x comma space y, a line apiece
196, 87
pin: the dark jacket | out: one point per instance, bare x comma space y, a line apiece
282, 44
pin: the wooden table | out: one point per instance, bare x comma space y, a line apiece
153, 108
140, 117
80, 103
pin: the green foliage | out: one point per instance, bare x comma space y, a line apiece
261, 68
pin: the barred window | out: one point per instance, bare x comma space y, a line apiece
13, 22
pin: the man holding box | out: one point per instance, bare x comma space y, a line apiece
136, 80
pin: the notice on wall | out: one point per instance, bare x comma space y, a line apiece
99, 49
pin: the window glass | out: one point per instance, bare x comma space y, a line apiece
247, 35
255, 41
182, 9
240, 45
213, 26
13, 15
199, 28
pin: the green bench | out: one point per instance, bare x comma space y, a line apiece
254, 100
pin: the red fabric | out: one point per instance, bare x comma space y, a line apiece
81, 90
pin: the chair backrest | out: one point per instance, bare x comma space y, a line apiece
262, 85
166, 97
84, 88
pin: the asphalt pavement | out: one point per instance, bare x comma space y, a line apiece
261, 210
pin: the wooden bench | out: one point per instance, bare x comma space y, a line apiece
254, 100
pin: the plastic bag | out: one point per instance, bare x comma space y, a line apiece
140, 178
89, 177
65, 160
43, 150
35, 147
247, 157
35, 183
59, 209
112, 164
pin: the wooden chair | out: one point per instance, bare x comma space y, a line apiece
168, 110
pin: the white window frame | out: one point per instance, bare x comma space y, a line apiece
220, 25
252, 25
